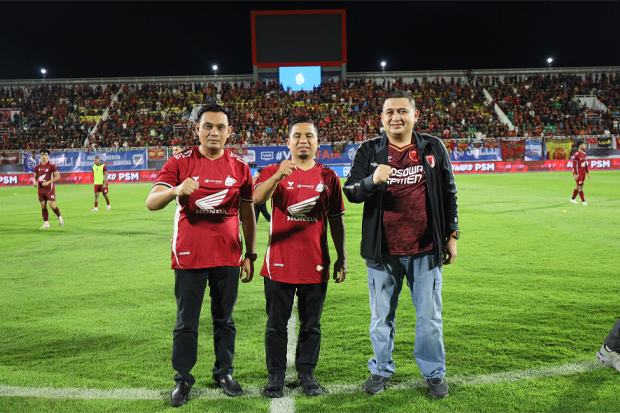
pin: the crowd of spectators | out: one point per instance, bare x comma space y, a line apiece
159, 114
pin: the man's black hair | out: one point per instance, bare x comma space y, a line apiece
44, 151
400, 94
580, 142
212, 108
303, 119
260, 170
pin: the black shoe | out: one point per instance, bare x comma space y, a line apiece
437, 388
376, 384
230, 386
178, 396
310, 385
275, 386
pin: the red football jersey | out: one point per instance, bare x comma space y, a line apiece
406, 212
45, 173
206, 223
580, 164
297, 252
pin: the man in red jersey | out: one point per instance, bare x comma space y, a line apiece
213, 188
304, 195
45, 175
580, 169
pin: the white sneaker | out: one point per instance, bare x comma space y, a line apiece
609, 358
574, 201
61, 222
108, 207
584, 203
46, 224
94, 209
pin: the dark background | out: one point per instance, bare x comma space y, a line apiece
103, 39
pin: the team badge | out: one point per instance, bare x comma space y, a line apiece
413, 154
431, 160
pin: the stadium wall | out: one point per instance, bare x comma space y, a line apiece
22, 179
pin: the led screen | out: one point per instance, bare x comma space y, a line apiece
300, 77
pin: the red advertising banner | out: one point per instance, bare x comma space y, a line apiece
530, 166
9, 158
82, 178
462, 146
457, 167
513, 150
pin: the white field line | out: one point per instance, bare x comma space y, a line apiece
286, 404
539, 197
256, 391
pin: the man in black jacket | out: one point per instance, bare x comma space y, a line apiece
410, 229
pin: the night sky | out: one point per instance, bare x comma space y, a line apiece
92, 39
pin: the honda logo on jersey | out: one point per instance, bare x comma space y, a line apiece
209, 203
300, 209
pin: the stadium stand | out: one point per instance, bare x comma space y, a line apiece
159, 114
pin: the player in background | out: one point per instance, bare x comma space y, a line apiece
580, 169
304, 195
178, 148
45, 175
262, 208
214, 188
100, 173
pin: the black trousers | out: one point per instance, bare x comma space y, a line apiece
189, 290
613, 339
262, 208
280, 297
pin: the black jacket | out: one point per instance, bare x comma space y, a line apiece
440, 190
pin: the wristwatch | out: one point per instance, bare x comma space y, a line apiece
252, 257
456, 235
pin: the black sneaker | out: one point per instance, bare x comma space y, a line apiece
310, 385
376, 384
178, 396
437, 388
275, 386
230, 386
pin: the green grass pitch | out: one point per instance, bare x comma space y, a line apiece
535, 285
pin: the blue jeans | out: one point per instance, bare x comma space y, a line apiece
424, 281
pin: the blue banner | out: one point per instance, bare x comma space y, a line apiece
83, 161
533, 151
476, 154
267, 155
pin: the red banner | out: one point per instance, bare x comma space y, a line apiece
491, 144
156, 154
513, 150
449, 145
82, 178
9, 158
530, 166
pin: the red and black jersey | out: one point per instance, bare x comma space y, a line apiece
206, 223
406, 212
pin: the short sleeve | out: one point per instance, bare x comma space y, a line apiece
105, 169
266, 174
336, 202
246, 190
169, 174
54, 168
